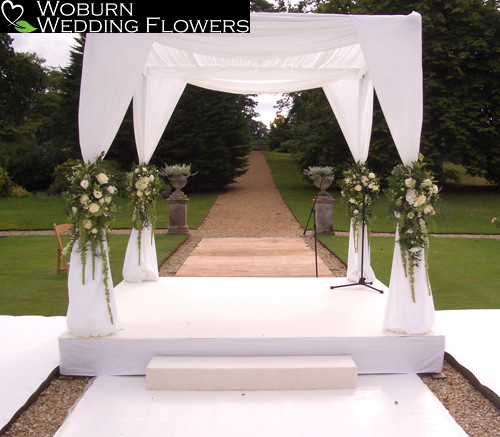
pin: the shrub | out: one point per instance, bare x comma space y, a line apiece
18, 191
5, 183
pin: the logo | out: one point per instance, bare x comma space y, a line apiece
12, 13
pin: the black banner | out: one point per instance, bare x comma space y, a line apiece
56, 16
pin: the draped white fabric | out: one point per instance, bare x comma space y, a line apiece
154, 102
352, 103
88, 312
282, 53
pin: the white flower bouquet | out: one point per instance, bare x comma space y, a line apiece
413, 196
91, 202
144, 186
359, 187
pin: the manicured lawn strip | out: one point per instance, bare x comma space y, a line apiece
462, 211
28, 280
463, 271
39, 211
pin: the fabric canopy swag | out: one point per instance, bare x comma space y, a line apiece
348, 56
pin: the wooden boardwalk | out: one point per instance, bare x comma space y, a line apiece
253, 257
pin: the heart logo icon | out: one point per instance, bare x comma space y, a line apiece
9, 9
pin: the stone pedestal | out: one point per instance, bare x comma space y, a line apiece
178, 214
324, 214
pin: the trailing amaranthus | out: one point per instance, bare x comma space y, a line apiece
413, 196
144, 185
91, 202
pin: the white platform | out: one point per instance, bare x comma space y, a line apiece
381, 405
251, 373
249, 317
28, 354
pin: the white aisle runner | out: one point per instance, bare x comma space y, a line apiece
381, 405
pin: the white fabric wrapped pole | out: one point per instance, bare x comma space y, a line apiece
89, 314
352, 103
154, 102
103, 103
394, 57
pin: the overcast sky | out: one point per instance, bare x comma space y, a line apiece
55, 48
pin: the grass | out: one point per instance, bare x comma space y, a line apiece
454, 283
39, 211
30, 284
464, 272
28, 276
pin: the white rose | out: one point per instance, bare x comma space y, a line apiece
74, 209
411, 197
151, 178
87, 224
84, 184
352, 200
94, 207
94, 231
97, 194
358, 187
107, 199
410, 215
139, 193
421, 199
111, 189
84, 199
410, 183
371, 175
428, 209
102, 178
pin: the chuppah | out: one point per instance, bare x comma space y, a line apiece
350, 57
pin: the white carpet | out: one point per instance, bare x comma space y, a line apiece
29, 353
382, 405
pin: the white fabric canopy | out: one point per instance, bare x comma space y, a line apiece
346, 55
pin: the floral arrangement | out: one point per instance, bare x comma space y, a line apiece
171, 171
359, 187
413, 196
315, 171
144, 185
91, 201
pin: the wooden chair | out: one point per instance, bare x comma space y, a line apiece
59, 230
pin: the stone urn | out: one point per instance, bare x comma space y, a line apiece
178, 182
323, 183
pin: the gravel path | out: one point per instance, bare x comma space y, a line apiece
253, 207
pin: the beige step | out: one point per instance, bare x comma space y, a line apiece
252, 373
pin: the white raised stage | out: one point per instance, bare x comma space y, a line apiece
213, 316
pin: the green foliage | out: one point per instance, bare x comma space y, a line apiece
18, 191
315, 138
5, 183
461, 65
216, 144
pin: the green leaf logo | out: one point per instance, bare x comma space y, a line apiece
24, 27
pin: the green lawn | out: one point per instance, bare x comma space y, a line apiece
28, 280
39, 211
29, 283
464, 272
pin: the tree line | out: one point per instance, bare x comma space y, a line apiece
214, 131
210, 130
461, 85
